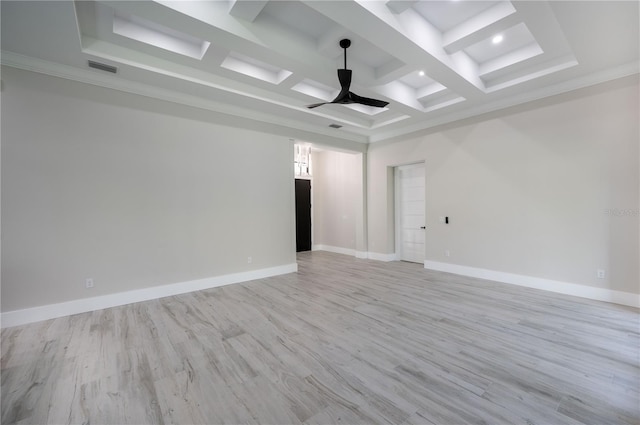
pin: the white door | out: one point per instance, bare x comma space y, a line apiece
410, 222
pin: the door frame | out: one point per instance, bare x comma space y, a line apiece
396, 207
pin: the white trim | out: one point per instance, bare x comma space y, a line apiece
51, 311
336, 249
382, 257
584, 291
362, 254
358, 254
397, 232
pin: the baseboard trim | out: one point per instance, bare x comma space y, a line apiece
336, 249
583, 291
382, 257
358, 254
362, 254
52, 311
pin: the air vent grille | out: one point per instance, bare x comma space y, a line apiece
103, 67
335, 126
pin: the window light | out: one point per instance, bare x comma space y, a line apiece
302, 160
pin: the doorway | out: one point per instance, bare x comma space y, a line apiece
303, 215
410, 212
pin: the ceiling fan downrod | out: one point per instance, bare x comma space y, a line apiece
345, 43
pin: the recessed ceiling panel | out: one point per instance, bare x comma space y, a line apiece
416, 79
297, 17
443, 100
315, 89
159, 36
365, 52
369, 110
445, 15
433, 89
254, 68
500, 44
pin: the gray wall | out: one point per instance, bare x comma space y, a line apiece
527, 191
129, 192
337, 187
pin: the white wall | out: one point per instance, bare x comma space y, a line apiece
337, 185
527, 190
128, 191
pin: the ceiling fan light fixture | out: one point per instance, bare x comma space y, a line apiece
345, 96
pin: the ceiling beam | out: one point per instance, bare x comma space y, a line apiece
392, 70
544, 27
408, 37
247, 9
482, 26
399, 6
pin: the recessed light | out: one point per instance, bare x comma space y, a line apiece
421, 73
497, 39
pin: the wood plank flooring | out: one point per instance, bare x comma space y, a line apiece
342, 341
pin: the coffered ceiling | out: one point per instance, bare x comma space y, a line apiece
263, 61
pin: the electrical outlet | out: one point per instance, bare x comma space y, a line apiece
249, 260
600, 273
88, 283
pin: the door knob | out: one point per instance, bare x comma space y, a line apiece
423, 227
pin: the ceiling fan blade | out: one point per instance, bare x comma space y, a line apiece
315, 105
368, 101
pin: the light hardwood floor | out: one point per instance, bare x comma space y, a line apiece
342, 341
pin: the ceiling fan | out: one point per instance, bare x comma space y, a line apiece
345, 96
